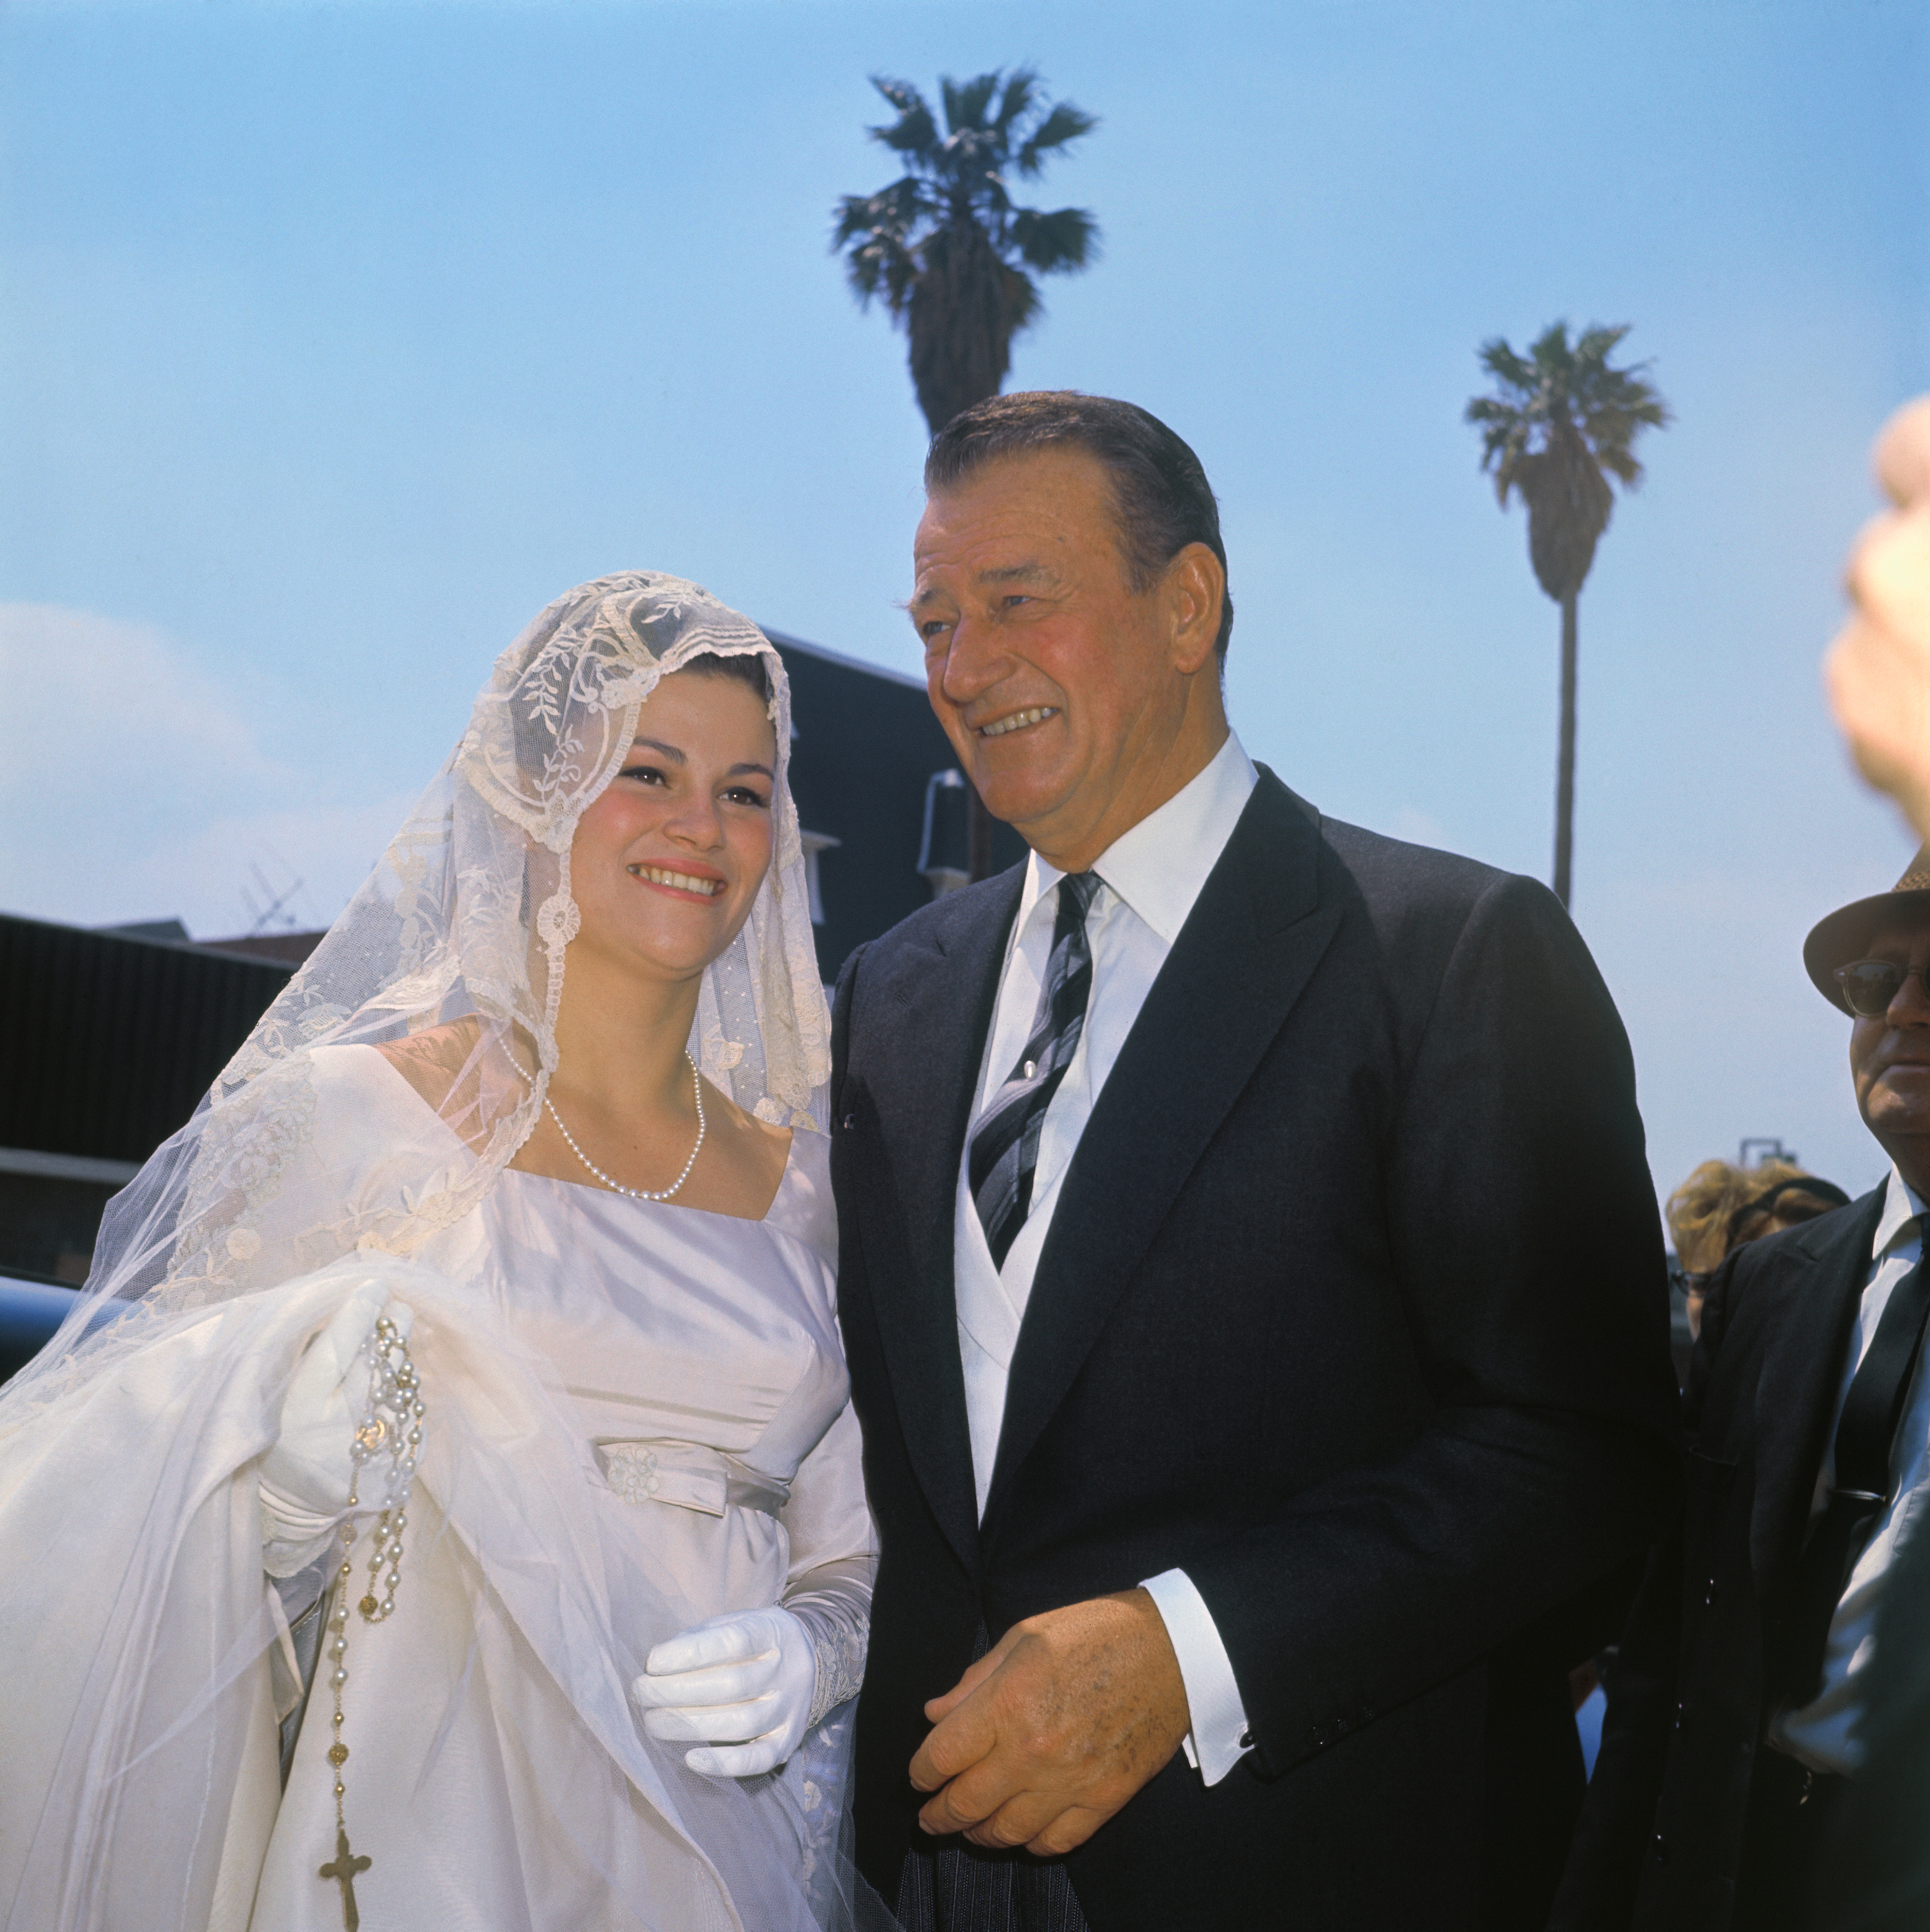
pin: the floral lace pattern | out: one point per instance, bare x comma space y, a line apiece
632, 1471
833, 1604
840, 1652
467, 918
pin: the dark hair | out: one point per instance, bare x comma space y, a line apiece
745, 666
1161, 498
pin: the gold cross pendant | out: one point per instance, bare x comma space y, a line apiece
342, 1868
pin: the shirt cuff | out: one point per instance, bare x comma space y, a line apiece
1218, 1739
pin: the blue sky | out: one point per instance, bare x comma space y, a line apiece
335, 341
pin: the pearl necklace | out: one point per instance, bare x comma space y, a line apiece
616, 1187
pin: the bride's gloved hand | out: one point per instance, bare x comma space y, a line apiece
740, 1686
305, 1476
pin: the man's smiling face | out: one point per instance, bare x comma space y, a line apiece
1062, 688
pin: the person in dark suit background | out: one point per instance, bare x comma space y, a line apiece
1734, 1738
1251, 1278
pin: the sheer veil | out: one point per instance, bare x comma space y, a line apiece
468, 914
128, 1510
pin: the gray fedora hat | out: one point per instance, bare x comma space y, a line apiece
1844, 934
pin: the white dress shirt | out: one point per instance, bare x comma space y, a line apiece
1824, 1733
1150, 877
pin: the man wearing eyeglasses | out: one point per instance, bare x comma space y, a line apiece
1733, 1735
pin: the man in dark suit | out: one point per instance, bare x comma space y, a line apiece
1251, 1275
1736, 1719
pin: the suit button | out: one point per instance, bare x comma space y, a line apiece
850, 1123
1709, 1592
1661, 1850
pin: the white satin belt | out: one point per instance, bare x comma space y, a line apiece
690, 1475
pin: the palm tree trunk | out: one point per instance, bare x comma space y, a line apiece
1565, 764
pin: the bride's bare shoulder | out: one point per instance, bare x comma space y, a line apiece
432, 1060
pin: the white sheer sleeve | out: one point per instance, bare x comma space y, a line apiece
833, 1559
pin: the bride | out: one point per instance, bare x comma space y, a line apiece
444, 1507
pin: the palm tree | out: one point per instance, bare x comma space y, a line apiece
1562, 416
943, 247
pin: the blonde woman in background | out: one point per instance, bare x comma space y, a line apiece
1720, 1206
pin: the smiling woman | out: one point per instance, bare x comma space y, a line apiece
598, 1366
665, 867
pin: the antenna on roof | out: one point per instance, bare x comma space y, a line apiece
270, 914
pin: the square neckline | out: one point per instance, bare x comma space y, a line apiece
682, 1208
402, 1080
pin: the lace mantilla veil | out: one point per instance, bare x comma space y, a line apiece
467, 915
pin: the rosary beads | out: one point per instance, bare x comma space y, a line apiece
392, 1425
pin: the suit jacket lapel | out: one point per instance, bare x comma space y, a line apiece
1822, 1275
939, 998
1254, 937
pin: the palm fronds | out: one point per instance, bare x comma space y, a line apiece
944, 247
1560, 417
1558, 385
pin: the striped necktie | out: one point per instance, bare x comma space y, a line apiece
1005, 1144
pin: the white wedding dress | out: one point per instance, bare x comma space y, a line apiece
638, 1419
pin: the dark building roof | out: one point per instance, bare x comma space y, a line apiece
170, 929
107, 1042
284, 948
866, 748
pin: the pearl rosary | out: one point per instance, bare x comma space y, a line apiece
391, 1425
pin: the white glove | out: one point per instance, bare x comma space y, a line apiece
305, 1476
745, 1680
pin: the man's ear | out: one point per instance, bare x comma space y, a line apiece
1195, 588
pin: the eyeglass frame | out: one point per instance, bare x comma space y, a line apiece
1904, 975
